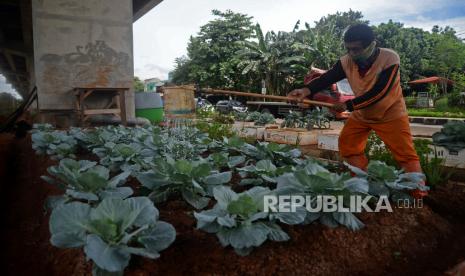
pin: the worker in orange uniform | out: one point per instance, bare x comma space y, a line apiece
373, 74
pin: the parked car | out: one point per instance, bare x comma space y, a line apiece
202, 103
338, 92
227, 106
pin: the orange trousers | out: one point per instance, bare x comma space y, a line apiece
395, 134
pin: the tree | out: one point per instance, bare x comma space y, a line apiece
412, 45
180, 74
448, 57
210, 55
273, 58
337, 23
138, 85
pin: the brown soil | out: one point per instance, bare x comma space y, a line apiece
425, 241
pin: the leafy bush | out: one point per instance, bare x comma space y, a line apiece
441, 104
457, 100
223, 118
215, 130
433, 167
204, 112
253, 116
451, 136
293, 120
453, 112
265, 118
410, 101
111, 232
376, 150
241, 116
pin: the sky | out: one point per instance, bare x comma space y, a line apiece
162, 34
6, 87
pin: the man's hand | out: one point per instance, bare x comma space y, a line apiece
299, 94
339, 107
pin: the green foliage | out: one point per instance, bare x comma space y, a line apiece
451, 136
211, 53
239, 220
138, 85
410, 101
453, 112
86, 181
385, 180
376, 150
313, 119
276, 57
442, 104
55, 143
111, 232
433, 167
265, 118
230, 52
448, 56
223, 118
215, 130
314, 180
205, 112
264, 171
194, 180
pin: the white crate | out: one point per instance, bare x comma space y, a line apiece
328, 141
451, 158
250, 131
292, 136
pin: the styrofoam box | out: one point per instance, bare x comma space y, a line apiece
247, 130
451, 158
328, 141
292, 136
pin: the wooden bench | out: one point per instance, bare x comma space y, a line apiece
117, 106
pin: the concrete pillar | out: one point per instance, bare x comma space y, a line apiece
82, 43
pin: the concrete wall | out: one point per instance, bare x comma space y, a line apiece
81, 43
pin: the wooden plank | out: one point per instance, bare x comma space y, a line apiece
101, 111
123, 107
102, 88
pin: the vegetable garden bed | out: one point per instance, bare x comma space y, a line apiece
425, 241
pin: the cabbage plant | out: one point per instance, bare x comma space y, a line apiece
111, 232
280, 154
193, 180
385, 180
57, 144
239, 220
85, 181
264, 171
224, 160
314, 181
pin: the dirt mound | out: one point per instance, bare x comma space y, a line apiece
424, 241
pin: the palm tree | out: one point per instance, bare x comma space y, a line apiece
275, 57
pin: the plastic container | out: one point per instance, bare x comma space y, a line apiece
179, 102
149, 105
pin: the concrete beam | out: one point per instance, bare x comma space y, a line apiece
141, 7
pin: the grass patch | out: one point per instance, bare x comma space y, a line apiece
452, 112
